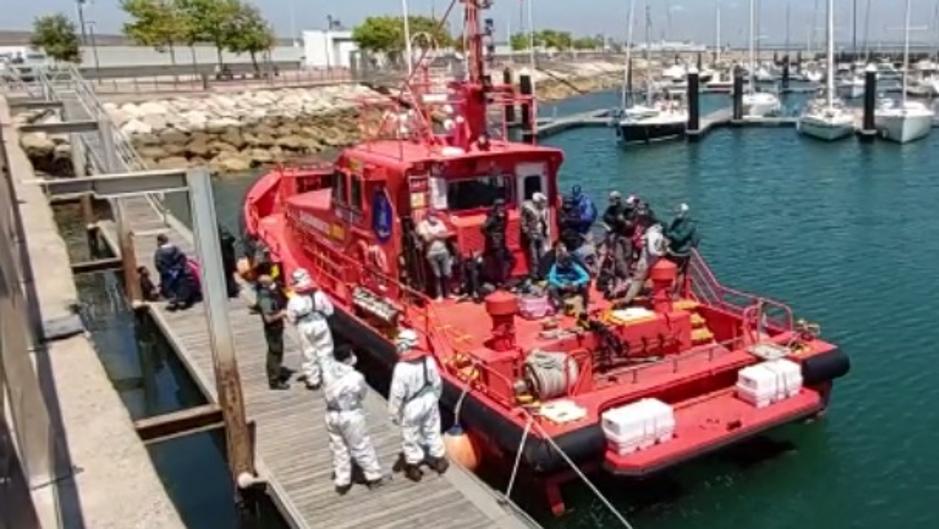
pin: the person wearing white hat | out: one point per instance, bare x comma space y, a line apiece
534, 227
344, 390
683, 238
413, 404
309, 309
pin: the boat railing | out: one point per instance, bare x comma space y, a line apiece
712, 352
707, 289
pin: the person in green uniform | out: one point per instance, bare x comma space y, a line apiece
271, 305
683, 238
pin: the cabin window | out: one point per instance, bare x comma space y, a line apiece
355, 199
531, 185
339, 188
475, 193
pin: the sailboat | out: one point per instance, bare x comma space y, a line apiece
910, 120
828, 119
757, 104
656, 119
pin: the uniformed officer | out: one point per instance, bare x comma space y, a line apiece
271, 305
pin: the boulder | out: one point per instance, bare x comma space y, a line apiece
260, 156
174, 136
37, 144
217, 147
152, 108
146, 139
195, 120
198, 147
135, 126
62, 151
152, 151
174, 149
231, 162
232, 136
218, 125
157, 122
295, 143
172, 162
131, 110
197, 161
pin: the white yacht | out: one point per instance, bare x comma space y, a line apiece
827, 119
908, 120
851, 87
904, 122
757, 104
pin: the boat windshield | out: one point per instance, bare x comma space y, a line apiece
475, 193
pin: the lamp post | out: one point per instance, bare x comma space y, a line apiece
81, 19
328, 42
94, 49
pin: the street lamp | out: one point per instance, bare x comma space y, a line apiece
81, 19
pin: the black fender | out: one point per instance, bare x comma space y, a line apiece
825, 367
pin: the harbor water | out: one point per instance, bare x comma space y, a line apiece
848, 234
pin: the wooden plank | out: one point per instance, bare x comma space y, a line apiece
178, 421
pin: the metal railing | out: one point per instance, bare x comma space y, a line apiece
706, 288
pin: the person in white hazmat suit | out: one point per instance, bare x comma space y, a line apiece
308, 309
413, 403
344, 390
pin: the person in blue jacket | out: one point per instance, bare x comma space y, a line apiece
586, 210
567, 278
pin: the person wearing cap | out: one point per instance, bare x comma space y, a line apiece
271, 307
618, 219
534, 228
413, 404
308, 309
567, 277
654, 246
682, 235
496, 253
434, 234
344, 390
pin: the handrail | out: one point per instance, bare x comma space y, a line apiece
714, 293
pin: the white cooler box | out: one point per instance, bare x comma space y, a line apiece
769, 382
638, 425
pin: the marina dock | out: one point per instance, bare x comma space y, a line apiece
291, 449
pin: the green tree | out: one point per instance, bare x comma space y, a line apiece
56, 35
211, 20
559, 40
520, 41
250, 33
385, 34
588, 43
156, 23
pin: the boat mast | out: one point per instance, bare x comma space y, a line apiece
787, 29
648, 56
629, 54
751, 69
717, 34
831, 53
906, 50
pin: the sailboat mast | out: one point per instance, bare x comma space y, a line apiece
831, 53
717, 34
629, 53
648, 56
787, 28
906, 50
751, 68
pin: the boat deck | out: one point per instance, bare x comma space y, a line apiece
292, 450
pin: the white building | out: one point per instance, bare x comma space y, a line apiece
327, 49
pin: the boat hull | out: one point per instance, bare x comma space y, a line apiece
826, 131
760, 107
903, 128
851, 91
650, 132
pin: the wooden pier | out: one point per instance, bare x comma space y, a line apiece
592, 118
291, 448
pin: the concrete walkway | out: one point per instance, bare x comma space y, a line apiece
111, 482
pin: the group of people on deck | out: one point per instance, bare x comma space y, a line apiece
565, 262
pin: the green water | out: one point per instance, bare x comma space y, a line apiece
848, 234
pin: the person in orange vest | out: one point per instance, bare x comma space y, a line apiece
413, 403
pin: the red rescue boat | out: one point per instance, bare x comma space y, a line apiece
631, 391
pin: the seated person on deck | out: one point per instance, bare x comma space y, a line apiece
567, 278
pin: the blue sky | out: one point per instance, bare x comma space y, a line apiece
690, 19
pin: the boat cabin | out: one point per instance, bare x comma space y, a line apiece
371, 200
